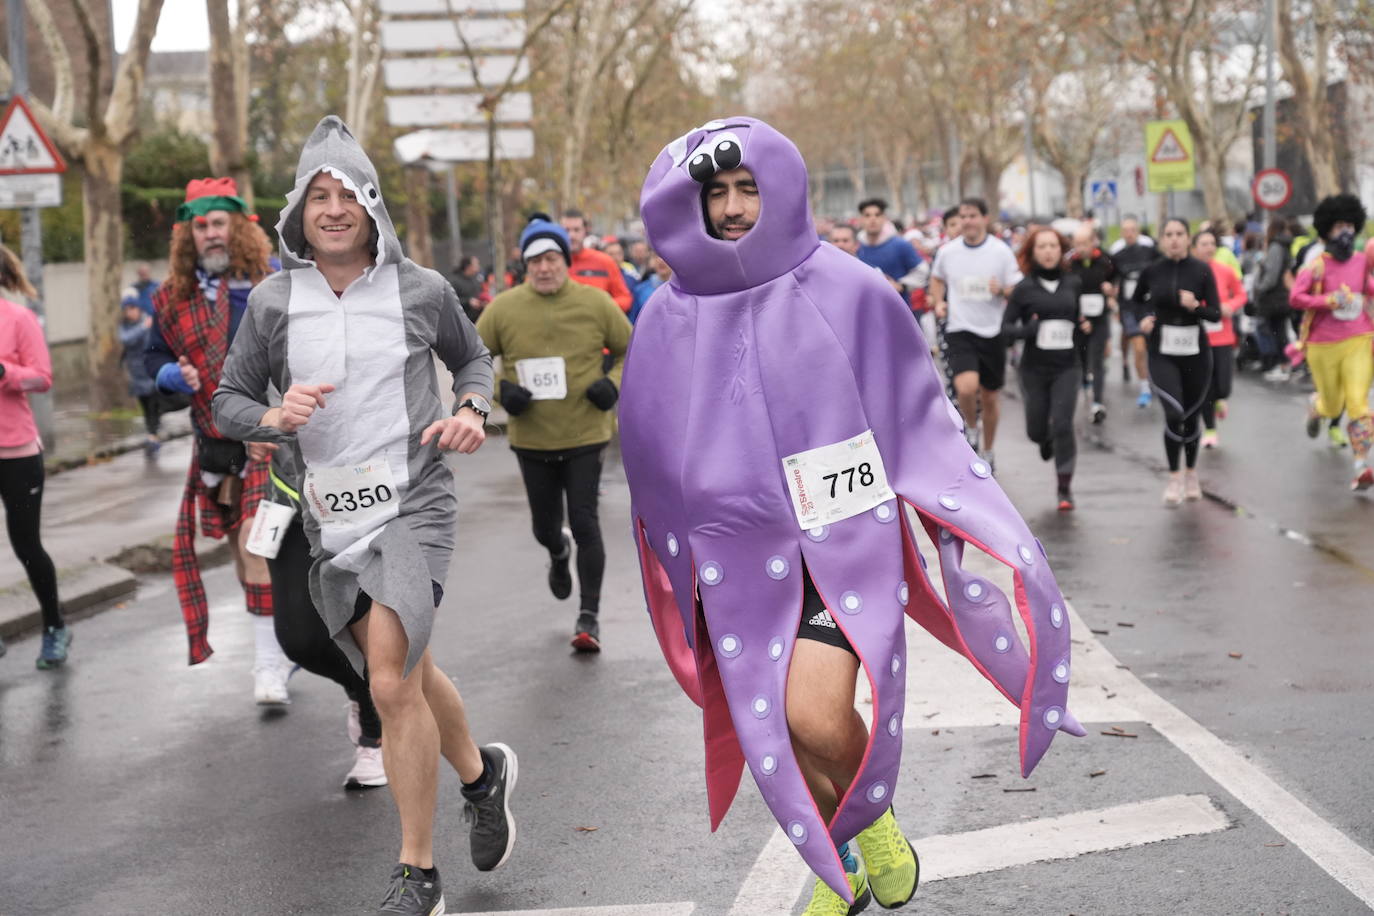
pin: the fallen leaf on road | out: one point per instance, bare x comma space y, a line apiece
1234, 654
1031, 789
931, 716
586, 829
1122, 623
936, 732
1272, 845
1101, 632
1096, 773
983, 776
1120, 735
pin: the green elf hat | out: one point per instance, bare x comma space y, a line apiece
206, 194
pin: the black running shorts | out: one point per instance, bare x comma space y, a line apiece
816, 620
967, 352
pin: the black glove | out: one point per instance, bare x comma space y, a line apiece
603, 393
515, 398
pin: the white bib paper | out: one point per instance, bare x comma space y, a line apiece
1092, 304
269, 528
975, 288
1349, 306
1212, 327
836, 482
1179, 340
546, 377
352, 496
1054, 334
1128, 288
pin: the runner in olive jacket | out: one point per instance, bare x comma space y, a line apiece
550, 333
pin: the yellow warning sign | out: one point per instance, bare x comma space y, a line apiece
1169, 156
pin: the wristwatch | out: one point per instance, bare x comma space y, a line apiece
480, 405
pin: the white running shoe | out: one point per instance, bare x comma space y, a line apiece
269, 684
355, 724
367, 772
1279, 373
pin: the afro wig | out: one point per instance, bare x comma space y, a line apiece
1338, 208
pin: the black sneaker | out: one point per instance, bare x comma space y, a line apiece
560, 576
492, 836
587, 633
413, 894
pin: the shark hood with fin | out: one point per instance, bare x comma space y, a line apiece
332, 148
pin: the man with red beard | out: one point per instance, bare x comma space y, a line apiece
218, 255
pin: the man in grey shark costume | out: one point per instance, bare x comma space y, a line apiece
346, 330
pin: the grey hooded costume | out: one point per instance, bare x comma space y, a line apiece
374, 344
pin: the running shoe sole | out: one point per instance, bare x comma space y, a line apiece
585, 642
512, 771
1364, 481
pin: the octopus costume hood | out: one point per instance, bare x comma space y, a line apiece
755, 354
374, 342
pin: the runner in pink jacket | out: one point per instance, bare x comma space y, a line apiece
26, 368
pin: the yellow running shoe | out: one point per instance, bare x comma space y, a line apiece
893, 869
825, 902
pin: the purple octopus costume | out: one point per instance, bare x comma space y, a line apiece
759, 350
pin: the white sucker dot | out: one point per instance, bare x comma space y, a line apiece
672, 544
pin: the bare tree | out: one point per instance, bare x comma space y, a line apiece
1306, 69
97, 139
364, 66
228, 96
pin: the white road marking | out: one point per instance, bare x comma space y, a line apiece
647, 909
1121, 827
1334, 852
779, 875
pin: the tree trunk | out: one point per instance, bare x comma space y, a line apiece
227, 153
496, 230
1073, 192
990, 173
104, 229
1211, 164
419, 244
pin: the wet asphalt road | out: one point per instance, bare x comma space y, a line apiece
130, 783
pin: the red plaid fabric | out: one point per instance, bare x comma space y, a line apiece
200, 332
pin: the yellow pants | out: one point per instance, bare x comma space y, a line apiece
1342, 372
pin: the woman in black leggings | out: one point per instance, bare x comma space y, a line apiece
1043, 309
26, 368
1174, 296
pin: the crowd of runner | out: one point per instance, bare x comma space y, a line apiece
320, 430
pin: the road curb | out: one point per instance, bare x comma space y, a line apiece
80, 589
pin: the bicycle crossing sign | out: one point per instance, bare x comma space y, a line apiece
24, 148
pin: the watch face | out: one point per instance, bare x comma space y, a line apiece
481, 404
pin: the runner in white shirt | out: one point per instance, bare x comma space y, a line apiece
969, 285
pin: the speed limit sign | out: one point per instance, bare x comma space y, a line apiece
1272, 188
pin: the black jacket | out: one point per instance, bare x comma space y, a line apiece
1157, 295
1029, 304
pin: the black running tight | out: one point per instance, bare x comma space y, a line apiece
1051, 394
302, 633
1182, 384
1223, 368
573, 475
21, 490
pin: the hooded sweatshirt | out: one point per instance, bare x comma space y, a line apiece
380, 506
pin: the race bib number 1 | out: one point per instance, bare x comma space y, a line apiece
546, 378
269, 528
353, 495
836, 482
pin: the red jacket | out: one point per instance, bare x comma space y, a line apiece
1232, 294
595, 268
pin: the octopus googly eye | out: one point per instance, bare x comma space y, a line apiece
702, 167
727, 152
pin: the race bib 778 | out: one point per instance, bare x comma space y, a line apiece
835, 482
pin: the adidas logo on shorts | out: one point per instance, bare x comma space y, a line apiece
823, 619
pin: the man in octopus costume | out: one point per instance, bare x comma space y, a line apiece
780, 412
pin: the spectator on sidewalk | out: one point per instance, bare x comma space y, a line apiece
26, 368
145, 286
134, 324
466, 280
